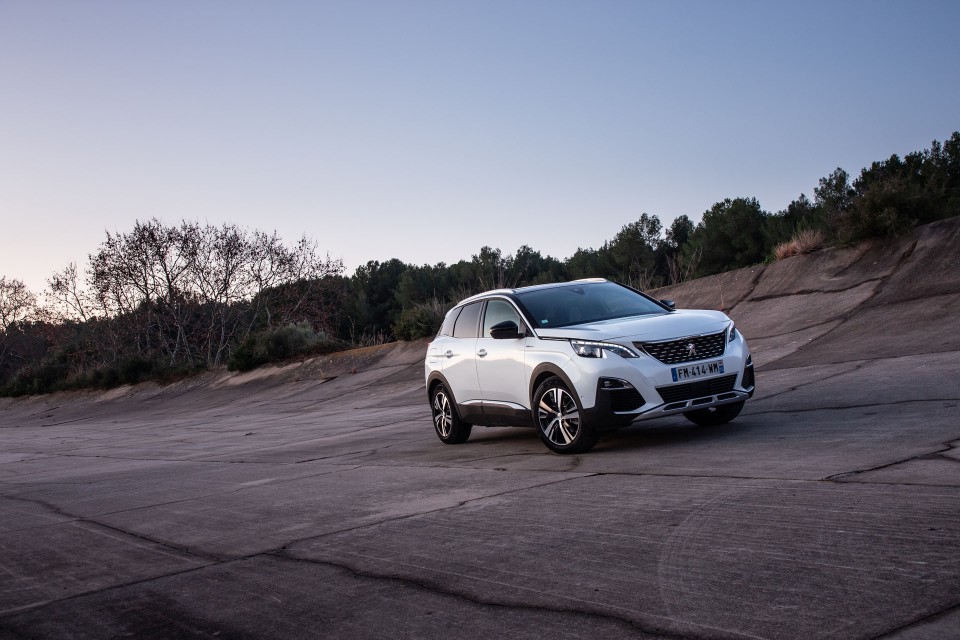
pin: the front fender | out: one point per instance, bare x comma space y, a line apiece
540, 372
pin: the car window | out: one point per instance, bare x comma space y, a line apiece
587, 302
468, 321
447, 328
497, 312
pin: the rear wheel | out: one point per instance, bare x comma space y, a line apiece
559, 419
446, 421
714, 416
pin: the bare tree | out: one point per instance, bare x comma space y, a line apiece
147, 274
286, 279
682, 268
17, 304
192, 291
640, 279
222, 281
66, 299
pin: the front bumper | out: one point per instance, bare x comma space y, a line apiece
642, 389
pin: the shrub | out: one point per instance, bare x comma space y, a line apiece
46, 377
805, 241
420, 321
280, 343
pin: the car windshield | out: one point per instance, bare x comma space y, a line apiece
580, 303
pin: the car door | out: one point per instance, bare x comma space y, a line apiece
500, 366
458, 354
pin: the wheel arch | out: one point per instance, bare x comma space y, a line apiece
436, 378
549, 370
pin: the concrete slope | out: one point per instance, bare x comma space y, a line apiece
884, 297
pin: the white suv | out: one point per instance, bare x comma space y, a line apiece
580, 358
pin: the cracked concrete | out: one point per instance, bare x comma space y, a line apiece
313, 500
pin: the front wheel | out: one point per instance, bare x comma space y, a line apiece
714, 416
446, 421
559, 419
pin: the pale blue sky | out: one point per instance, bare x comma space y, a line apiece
424, 130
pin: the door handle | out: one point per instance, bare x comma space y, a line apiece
449, 353
482, 352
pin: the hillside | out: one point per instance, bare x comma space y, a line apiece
880, 298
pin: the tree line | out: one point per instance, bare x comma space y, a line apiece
165, 300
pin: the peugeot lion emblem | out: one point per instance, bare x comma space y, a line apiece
691, 349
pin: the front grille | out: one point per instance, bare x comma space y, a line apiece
677, 351
748, 380
625, 399
698, 389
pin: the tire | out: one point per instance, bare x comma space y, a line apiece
714, 416
446, 421
559, 419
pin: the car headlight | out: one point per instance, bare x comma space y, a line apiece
588, 349
731, 333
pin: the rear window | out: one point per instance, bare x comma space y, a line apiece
587, 302
447, 328
468, 321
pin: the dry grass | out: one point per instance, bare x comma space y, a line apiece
806, 241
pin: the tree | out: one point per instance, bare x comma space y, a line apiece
730, 236
190, 292
375, 306
66, 298
801, 214
834, 196
633, 251
633, 256
680, 265
17, 302
942, 176
679, 233
590, 263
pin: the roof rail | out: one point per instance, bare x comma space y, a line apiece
536, 286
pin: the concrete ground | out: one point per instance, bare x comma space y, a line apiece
314, 501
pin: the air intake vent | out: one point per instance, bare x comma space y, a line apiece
698, 389
748, 380
625, 400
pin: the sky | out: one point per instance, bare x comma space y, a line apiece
425, 130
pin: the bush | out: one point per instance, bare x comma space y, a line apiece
884, 209
130, 371
805, 241
46, 377
420, 321
280, 343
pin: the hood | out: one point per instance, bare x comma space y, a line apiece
661, 326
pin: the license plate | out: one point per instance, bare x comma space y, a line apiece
700, 370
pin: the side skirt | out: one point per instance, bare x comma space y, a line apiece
495, 415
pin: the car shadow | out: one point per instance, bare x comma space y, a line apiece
667, 432
670, 433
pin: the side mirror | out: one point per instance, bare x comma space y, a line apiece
669, 304
506, 330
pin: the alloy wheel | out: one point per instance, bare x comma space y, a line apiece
559, 416
442, 414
